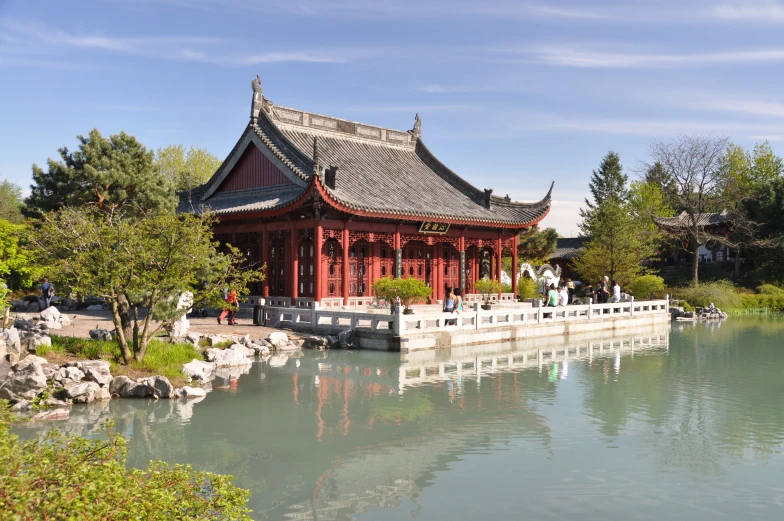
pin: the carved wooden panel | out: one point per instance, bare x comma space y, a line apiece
332, 268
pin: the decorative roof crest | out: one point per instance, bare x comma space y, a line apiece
417, 130
255, 106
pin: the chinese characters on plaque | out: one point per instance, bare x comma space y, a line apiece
428, 227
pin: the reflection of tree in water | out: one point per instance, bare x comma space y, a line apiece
713, 397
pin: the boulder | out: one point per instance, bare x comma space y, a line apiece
3, 348
346, 338
95, 307
101, 334
127, 388
67, 304
316, 342
22, 406
24, 384
277, 337
50, 314
234, 356
191, 392
198, 370
23, 324
55, 402
13, 343
193, 337
67, 375
19, 305
65, 321
217, 339
97, 371
259, 350
31, 341
57, 414
30, 360
33, 307
103, 394
81, 392
159, 386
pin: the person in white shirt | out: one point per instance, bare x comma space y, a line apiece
563, 296
616, 289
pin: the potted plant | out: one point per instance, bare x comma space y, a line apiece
401, 291
487, 287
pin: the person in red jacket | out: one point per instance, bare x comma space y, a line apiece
232, 304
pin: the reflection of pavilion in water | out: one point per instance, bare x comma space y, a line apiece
390, 471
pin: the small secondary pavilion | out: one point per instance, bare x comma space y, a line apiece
330, 205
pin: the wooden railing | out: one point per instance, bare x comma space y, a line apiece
399, 324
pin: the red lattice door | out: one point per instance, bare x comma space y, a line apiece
358, 268
451, 266
470, 269
306, 261
332, 262
386, 260
418, 261
277, 266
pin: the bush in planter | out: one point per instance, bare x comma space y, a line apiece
487, 287
408, 290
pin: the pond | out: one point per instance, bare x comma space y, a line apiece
678, 422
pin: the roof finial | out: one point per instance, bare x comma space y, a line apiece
255, 106
316, 162
417, 130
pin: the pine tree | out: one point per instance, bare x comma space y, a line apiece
608, 182
110, 173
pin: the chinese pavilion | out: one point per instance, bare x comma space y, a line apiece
330, 205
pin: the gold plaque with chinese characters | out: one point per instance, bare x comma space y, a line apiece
439, 228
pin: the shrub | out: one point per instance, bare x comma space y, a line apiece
647, 286
64, 477
487, 287
721, 293
408, 290
506, 288
527, 287
770, 289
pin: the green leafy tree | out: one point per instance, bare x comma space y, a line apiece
527, 288
657, 175
56, 476
148, 262
409, 290
15, 259
486, 287
615, 245
109, 173
766, 207
646, 201
10, 202
186, 170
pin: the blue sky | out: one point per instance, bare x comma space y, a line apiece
512, 95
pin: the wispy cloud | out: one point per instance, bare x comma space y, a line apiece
749, 107
578, 56
41, 40
656, 128
766, 11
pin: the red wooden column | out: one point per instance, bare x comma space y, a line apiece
463, 260
499, 250
265, 259
317, 260
514, 265
375, 264
398, 257
294, 263
439, 293
344, 243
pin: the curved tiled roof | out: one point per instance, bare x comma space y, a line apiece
382, 172
702, 219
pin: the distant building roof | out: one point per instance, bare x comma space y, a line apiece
685, 221
566, 248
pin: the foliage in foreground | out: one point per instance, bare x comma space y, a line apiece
487, 287
68, 477
527, 287
647, 287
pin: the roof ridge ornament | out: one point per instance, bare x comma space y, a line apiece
316, 161
417, 130
256, 102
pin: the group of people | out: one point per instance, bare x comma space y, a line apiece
604, 292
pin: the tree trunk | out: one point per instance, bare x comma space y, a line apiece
6, 316
737, 262
124, 309
135, 329
126, 353
696, 262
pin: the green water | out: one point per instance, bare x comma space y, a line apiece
686, 424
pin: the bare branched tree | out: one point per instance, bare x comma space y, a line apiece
694, 164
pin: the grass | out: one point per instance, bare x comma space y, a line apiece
161, 358
204, 342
